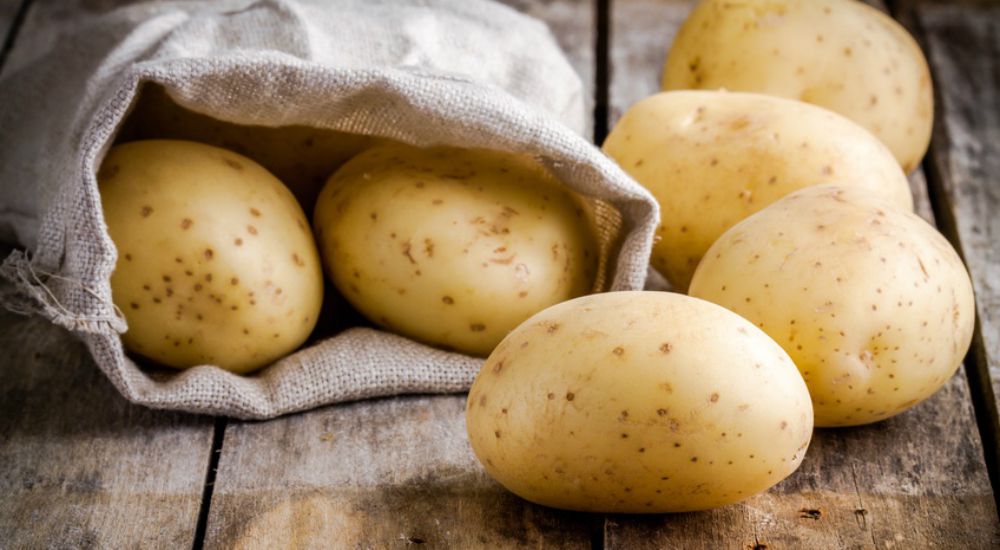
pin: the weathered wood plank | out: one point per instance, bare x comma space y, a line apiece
371, 474
79, 466
963, 43
387, 472
917, 480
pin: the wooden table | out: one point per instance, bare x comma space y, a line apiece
81, 468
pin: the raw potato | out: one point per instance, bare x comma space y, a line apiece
452, 247
216, 263
638, 402
300, 156
874, 305
714, 158
839, 54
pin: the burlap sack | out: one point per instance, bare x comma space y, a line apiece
426, 72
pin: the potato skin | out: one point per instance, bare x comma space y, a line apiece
838, 54
452, 247
216, 263
638, 402
713, 158
872, 303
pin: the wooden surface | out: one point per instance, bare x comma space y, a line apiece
379, 473
963, 43
89, 470
80, 466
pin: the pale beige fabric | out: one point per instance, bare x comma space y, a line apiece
445, 72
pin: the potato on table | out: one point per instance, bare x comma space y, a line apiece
871, 302
452, 247
638, 402
216, 263
713, 158
838, 54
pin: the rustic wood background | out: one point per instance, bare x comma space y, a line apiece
82, 468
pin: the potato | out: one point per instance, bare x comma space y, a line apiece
713, 158
452, 247
638, 402
300, 156
874, 306
216, 263
839, 54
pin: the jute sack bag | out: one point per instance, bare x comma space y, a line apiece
425, 72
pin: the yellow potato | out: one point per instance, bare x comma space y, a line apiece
638, 402
714, 158
874, 305
452, 247
300, 156
839, 54
216, 264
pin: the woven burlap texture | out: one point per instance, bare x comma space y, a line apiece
425, 72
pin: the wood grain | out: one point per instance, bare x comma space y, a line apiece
371, 474
79, 466
963, 43
915, 481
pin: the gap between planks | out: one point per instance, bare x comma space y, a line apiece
218, 439
602, 80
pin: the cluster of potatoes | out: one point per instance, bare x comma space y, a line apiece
218, 263
814, 296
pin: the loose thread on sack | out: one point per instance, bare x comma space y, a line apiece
37, 278
114, 307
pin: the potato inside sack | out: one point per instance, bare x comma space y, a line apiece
839, 54
216, 262
713, 158
871, 302
638, 402
453, 247
301, 157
